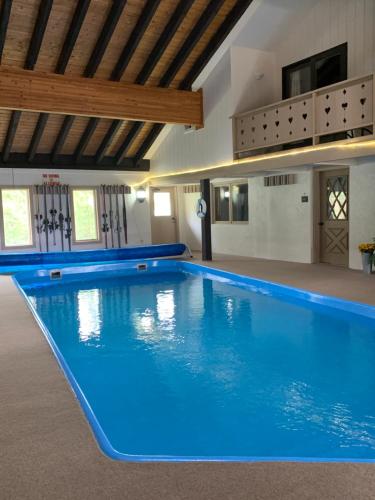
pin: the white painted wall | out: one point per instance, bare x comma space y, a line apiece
253, 78
279, 228
361, 209
138, 214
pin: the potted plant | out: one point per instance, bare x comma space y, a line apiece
367, 251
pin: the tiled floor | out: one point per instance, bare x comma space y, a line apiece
47, 450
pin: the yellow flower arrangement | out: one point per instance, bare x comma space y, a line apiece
366, 247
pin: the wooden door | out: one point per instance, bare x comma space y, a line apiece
163, 215
334, 217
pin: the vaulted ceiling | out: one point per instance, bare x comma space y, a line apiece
163, 43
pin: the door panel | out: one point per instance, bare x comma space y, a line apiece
163, 216
334, 217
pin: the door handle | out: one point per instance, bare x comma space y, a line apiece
321, 223
173, 219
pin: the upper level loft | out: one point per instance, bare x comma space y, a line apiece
334, 109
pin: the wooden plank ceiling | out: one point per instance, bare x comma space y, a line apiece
163, 43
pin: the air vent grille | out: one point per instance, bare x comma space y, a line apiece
192, 188
279, 180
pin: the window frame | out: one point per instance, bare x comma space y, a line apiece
230, 186
341, 50
95, 189
3, 246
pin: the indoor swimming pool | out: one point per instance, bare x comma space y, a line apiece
175, 361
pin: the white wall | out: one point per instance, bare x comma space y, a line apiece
279, 228
253, 78
138, 214
361, 209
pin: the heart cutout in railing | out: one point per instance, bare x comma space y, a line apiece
344, 105
304, 116
327, 110
277, 123
265, 126
253, 129
290, 119
362, 100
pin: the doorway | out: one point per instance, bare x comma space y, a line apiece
163, 215
334, 217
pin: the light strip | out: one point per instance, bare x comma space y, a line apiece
254, 159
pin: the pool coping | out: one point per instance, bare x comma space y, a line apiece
254, 284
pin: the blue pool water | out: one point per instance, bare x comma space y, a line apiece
180, 363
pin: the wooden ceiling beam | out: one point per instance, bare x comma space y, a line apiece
31, 58
37, 135
38, 33
67, 162
107, 140
135, 37
96, 57
152, 60
122, 63
104, 37
25, 90
218, 38
5, 10
11, 132
61, 136
66, 51
72, 35
85, 139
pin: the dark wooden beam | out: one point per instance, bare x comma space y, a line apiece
85, 139
38, 33
152, 60
61, 137
104, 37
150, 139
94, 61
32, 55
20, 160
72, 35
195, 35
37, 134
107, 140
11, 132
218, 38
128, 52
206, 221
136, 35
129, 139
6, 7
66, 51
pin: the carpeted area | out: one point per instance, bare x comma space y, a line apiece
47, 450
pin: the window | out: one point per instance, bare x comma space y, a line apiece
231, 203
85, 215
315, 72
222, 203
162, 204
16, 218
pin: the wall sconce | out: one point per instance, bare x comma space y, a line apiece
140, 194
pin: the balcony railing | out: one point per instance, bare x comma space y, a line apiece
339, 111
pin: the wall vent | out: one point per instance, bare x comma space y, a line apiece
55, 274
192, 188
189, 128
279, 180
